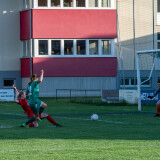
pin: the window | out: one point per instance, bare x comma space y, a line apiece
55, 47
93, 47
7, 83
24, 49
81, 47
27, 4
106, 47
158, 41
42, 3
80, 3
158, 5
145, 83
28, 48
68, 3
68, 47
132, 82
43, 47
126, 81
106, 3
93, 3
65, 4
63, 47
55, 3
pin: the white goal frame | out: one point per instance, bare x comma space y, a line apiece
138, 73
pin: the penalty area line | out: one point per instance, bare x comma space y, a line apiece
106, 121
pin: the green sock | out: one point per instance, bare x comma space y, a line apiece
41, 110
31, 119
24, 124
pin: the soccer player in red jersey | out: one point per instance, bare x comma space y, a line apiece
20, 98
158, 103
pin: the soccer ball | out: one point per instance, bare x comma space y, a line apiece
94, 117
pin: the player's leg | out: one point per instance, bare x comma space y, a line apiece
43, 106
34, 123
158, 109
50, 119
30, 114
30, 120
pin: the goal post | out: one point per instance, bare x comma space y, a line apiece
149, 58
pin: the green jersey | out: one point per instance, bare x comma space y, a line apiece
33, 90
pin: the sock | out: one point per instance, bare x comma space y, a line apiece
41, 110
31, 119
31, 125
50, 119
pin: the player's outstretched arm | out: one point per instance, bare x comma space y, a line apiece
156, 92
41, 76
17, 93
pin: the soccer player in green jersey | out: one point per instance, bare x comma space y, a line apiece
32, 90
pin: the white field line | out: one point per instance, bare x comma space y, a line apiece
97, 120
3, 126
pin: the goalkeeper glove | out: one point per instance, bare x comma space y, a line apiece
150, 97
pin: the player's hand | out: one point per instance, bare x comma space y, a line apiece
42, 71
13, 87
150, 97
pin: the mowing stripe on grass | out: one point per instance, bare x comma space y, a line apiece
65, 149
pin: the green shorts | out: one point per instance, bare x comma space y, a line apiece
35, 104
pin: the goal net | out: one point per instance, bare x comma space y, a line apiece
148, 61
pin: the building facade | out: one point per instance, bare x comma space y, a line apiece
138, 29
72, 40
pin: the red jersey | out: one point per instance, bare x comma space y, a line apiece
24, 104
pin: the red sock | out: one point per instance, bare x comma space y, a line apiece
31, 125
50, 119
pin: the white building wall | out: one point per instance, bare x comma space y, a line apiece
10, 44
50, 84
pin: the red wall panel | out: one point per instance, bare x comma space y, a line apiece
48, 23
76, 67
25, 67
25, 32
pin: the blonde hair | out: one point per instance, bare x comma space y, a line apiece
20, 94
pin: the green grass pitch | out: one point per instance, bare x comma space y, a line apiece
121, 133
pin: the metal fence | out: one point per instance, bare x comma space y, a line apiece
73, 94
